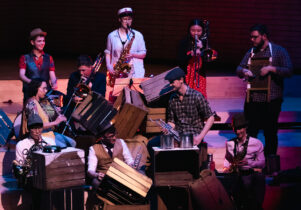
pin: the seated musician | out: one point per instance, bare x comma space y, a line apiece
101, 155
36, 93
24, 148
244, 158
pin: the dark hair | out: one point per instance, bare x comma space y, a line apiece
34, 86
198, 22
261, 28
124, 14
84, 60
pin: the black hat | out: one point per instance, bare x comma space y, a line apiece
175, 74
239, 121
34, 119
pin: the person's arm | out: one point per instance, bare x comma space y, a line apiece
140, 52
259, 160
128, 158
92, 163
22, 70
197, 139
108, 54
242, 70
282, 64
53, 80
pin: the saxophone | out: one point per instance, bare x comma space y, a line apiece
122, 67
234, 167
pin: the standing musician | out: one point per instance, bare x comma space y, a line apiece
244, 154
193, 51
37, 64
83, 73
125, 51
187, 110
259, 112
36, 93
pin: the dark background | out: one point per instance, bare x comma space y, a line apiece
81, 26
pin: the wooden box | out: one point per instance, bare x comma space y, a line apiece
95, 113
132, 83
59, 170
153, 113
156, 87
175, 167
131, 112
123, 185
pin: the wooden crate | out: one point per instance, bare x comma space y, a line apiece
59, 170
123, 185
153, 113
170, 166
121, 83
156, 87
131, 112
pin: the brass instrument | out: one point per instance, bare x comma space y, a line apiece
82, 89
122, 67
238, 157
208, 54
23, 170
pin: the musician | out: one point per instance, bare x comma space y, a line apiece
36, 93
84, 70
259, 112
35, 127
101, 155
244, 156
187, 110
118, 40
190, 58
37, 64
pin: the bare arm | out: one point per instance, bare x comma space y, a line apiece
53, 79
23, 76
197, 139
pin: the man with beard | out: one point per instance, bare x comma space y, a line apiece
259, 112
37, 64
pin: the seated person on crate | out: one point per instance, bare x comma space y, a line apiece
245, 160
101, 155
77, 87
24, 148
34, 105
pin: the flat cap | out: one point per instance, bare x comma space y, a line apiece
34, 119
175, 74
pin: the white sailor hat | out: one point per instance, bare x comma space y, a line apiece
125, 11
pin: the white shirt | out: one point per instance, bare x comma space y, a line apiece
92, 159
114, 48
254, 157
25, 144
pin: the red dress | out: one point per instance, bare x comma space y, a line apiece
196, 79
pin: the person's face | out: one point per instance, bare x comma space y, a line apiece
177, 84
35, 132
110, 137
125, 21
241, 133
85, 71
257, 39
38, 43
196, 30
42, 90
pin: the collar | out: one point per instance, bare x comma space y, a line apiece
188, 92
34, 55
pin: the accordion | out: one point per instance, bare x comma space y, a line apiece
123, 185
95, 113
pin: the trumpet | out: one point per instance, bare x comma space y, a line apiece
207, 53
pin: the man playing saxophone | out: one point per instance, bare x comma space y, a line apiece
124, 46
244, 158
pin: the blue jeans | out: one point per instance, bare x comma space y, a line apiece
64, 141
